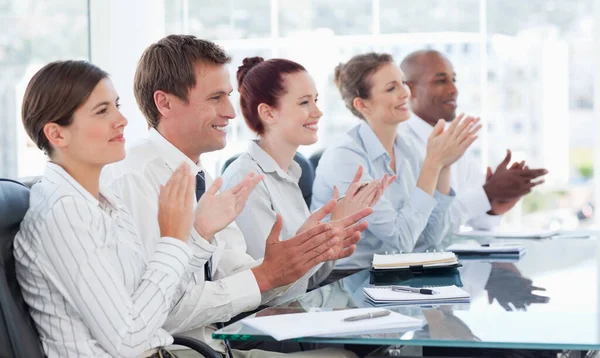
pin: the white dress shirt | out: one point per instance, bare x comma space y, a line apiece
406, 218
466, 177
137, 179
277, 193
91, 288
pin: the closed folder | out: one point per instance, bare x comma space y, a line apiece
415, 260
494, 249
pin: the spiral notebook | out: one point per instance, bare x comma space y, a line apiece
382, 296
423, 259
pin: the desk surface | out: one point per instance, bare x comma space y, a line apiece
546, 300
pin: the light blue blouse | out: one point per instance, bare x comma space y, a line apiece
406, 218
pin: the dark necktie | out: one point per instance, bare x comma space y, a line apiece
200, 185
200, 190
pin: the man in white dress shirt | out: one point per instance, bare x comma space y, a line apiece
182, 87
481, 197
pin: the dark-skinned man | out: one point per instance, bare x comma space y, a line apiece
481, 199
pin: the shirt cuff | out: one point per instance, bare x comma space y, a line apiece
422, 201
243, 290
172, 253
477, 202
444, 201
277, 292
485, 222
202, 245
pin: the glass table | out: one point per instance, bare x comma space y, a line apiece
547, 299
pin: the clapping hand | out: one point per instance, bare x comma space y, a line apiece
176, 204
446, 146
217, 210
506, 186
359, 195
347, 228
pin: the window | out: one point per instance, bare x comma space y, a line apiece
540, 53
60, 32
517, 62
517, 127
534, 62
425, 16
338, 16
219, 19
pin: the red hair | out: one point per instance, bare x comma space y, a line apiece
261, 81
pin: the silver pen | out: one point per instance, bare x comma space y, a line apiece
367, 316
423, 291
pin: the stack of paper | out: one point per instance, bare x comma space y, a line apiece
426, 259
311, 324
526, 234
494, 249
386, 296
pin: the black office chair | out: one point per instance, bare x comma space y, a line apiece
229, 161
315, 157
306, 179
18, 335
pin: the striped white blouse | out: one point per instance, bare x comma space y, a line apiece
91, 290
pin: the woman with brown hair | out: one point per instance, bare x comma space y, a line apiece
91, 289
412, 214
279, 99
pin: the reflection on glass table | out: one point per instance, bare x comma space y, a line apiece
511, 289
508, 308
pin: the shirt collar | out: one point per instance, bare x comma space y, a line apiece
372, 144
420, 127
268, 165
58, 175
172, 156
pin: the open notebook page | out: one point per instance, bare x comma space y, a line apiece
414, 259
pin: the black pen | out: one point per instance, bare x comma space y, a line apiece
423, 291
367, 316
499, 245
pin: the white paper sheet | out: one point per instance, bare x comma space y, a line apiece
311, 324
526, 234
